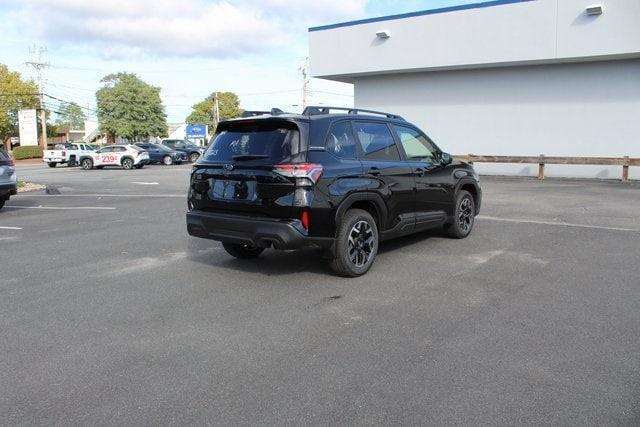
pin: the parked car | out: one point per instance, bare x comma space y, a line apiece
68, 153
193, 151
8, 180
341, 182
162, 154
125, 156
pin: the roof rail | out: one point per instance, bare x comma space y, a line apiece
316, 110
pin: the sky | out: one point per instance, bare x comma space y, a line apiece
188, 48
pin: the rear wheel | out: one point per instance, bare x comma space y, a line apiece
2, 203
52, 164
242, 251
463, 217
72, 162
86, 164
193, 157
127, 163
356, 246
167, 160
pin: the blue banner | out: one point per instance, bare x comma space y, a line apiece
196, 131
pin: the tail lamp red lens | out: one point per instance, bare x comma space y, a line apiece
310, 171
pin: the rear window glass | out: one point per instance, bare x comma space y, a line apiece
264, 143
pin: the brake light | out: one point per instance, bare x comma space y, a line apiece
310, 171
64, 153
304, 219
12, 161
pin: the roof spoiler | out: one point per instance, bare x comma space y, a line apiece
273, 112
317, 110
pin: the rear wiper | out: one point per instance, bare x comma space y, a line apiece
249, 156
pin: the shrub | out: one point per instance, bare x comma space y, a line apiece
27, 152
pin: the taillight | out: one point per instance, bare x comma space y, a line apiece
64, 153
304, 219
12, 161
308, 171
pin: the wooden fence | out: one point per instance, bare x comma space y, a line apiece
543, 160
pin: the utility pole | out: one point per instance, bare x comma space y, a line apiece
38, 65
216, 110
304, 70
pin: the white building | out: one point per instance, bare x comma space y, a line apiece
505, 77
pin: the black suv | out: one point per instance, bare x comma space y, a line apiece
340, 181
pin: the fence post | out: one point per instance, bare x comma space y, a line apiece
541, 167
625, 169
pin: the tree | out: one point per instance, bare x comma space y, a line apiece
129, 107
203, 113
15, 94
70, 115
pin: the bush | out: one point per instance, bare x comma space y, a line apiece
28, 152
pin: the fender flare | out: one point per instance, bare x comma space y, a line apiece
376, 199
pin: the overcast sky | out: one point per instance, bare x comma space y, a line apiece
189, 48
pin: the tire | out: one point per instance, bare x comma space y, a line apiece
139, 166
86, 164
242, 251
52, 164
167, 160
193, 157
2, 203
463, 217
72, 163
127, 163
356, 245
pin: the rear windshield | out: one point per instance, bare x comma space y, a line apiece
265, 143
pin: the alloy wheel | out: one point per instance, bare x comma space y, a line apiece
361, 243
465, 214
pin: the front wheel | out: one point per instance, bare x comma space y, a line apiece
167, 160
242, 251
52, 164
193, 157
463, 217
127, 164
356, 246
86, 164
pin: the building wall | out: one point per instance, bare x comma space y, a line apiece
523, 32
580, 109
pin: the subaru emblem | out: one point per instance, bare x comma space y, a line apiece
228, 167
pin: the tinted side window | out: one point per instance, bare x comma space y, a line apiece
119, 149
376, 141
105, 150
415, 145
341, 142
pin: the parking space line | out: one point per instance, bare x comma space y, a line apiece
10, 228
62, 208
144, 183
561, 224
172, 196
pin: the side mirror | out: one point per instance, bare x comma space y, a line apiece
446, 158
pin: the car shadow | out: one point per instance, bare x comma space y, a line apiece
283, 263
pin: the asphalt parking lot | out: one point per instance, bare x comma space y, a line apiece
111, 314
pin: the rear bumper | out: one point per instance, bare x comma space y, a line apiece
7, 190
261, 232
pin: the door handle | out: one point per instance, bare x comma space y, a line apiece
374, 171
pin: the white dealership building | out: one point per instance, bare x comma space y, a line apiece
503, 77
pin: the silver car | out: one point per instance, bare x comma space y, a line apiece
8, 181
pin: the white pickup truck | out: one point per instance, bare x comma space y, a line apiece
68, 153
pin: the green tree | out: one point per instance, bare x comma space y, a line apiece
203, 113
129, 107
15, 94
70, 115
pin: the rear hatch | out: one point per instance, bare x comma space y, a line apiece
242, 170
